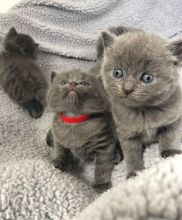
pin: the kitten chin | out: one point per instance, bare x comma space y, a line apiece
145, 67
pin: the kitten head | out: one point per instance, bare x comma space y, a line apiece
75, 92
140, 69
20, 43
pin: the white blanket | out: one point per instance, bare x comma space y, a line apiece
30, 187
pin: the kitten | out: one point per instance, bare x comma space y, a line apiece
140, 72
20, 76
82, 126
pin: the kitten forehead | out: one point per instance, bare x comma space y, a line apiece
138, 43
138, 50
74, 75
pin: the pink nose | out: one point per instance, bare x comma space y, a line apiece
128, 87
127, 91
73, 84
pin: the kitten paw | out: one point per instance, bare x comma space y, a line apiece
131, 174
118, 154
49, 139
101, 188
170, 153
59, 164
35, 109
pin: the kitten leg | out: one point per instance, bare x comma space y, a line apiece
118, 153
59, 157
103, 169
34, 108
40, 96
49, 139
169, 139
133, 156
50, 143
62, 158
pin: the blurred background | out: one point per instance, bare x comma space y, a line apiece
6, 4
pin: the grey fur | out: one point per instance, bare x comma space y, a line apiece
20, 76
93, 138
144, 112
115, 31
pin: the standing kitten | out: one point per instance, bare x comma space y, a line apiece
20, 76
82, 127
140, 72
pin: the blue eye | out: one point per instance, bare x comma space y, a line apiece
63, 82
118, 73
147, 77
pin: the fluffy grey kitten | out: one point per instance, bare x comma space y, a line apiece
74, 94
20, 76
140, 72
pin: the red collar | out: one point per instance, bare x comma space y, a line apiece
73, 119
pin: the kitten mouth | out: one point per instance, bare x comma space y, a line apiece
72, 97
72, 92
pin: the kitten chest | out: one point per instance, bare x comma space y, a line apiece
138, 125
83, 138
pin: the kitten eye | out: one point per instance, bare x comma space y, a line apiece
84, 83
63, 82
147, 77
118, 73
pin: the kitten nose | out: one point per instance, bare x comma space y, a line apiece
128, 87
73, 84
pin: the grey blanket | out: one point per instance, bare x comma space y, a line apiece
30, 187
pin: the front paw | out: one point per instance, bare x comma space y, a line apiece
170, 153
131, 175
34, 108
59, 164
100, 188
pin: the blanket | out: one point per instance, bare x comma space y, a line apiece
30, 187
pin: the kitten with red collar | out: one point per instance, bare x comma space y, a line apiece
82, 127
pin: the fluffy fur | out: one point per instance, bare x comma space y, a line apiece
116, 31
92, 139
140, 72
20, 76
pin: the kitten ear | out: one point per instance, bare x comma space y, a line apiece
107, 39
123, 29
175, 48
99, 77
12, 31
120, 30
36, 45
23, 51
104, 41
53, 74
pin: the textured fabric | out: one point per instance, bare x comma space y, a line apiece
156, 194
30, 187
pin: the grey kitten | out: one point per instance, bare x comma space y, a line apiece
20, 76
74, 94
140, 72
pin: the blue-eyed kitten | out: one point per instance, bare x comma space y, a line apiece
140, 73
